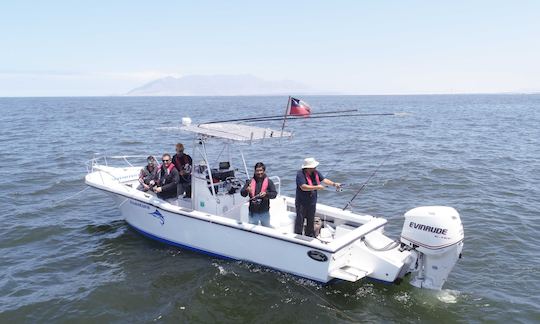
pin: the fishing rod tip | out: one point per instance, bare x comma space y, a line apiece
402, 114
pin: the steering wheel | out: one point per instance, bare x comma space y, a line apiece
234, 182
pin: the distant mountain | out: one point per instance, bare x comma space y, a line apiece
219, 85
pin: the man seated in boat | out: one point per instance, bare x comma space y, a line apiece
183, 163
168, 179
260, 190
308, 182
148, 175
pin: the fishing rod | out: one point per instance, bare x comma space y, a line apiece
281, 116
343, 186
365, 183
251, 199
254, 120
338, 189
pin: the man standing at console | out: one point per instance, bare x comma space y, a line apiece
308, 182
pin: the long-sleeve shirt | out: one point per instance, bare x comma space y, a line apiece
168, 180
259, 205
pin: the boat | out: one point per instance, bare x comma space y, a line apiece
350, 245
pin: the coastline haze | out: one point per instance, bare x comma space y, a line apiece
219, 85
356, 48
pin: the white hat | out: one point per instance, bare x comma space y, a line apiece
310, 163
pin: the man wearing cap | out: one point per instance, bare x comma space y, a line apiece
308, 182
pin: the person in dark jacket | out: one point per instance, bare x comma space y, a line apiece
260, 190
148, 175
183, 163
168, 179
308, 182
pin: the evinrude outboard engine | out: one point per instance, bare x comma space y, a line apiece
435, 233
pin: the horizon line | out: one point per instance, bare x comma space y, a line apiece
280, 95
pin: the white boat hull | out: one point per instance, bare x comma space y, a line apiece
356, 249
222, 240
255, 244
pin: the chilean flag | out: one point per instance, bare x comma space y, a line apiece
298, 107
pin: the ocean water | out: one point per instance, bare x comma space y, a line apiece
66, 255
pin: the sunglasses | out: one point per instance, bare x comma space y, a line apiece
165, 161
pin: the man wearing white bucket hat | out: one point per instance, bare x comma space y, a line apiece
308, 182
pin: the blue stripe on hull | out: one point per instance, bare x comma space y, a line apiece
165, 241
162, 240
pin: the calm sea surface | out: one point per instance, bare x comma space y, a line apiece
67, 256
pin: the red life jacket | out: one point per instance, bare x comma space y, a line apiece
309, 181
169, 168
253, 185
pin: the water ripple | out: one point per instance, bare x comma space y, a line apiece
75, 259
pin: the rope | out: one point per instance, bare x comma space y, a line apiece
332, 306
60, 201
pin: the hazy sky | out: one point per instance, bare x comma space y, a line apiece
55, 48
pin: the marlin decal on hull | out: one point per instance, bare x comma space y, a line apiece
159, 216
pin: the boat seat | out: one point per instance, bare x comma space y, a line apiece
280, 218
286, 224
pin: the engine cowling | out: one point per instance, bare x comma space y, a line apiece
435, 233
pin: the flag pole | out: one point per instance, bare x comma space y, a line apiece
285, 115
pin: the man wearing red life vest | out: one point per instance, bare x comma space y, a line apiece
308, 182
168, 179
260, 190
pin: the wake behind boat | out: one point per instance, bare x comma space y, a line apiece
350, 246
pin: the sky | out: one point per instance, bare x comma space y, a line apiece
95, 48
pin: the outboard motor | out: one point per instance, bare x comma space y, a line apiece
435, 233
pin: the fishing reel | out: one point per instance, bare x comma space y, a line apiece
256, 200
338, 189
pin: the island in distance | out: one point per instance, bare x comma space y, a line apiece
220, 85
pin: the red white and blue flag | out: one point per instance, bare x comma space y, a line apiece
298, 107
